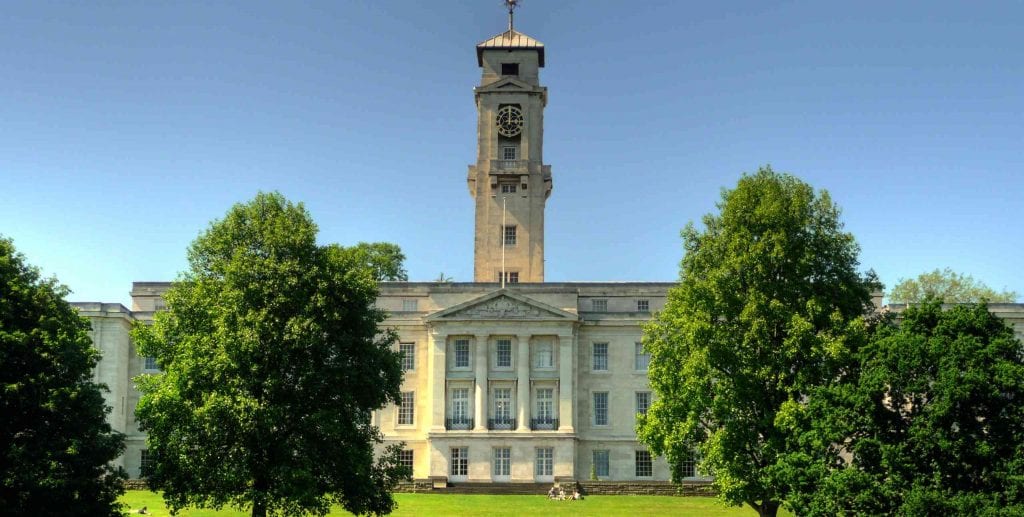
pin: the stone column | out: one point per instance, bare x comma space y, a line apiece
566, 382
438, 369
523, 383
480, 402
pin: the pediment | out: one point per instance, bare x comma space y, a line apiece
508, 84
502, 305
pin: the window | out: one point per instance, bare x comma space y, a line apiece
509, 152
406, 410
460, 405
643, 306
599, 305
511, 277
544, 404
643, 402
151, 364
502, 462
688, 467
462, 353
405, 460
510, 69
642, 357
644, 466
503, 354
408, 351
600, 357
601, 463
460, 462
145, 463
600, 408
502, 404
545, 461
508, 188
509, 235
543, 355
410, 305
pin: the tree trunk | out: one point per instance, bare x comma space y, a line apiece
767, 508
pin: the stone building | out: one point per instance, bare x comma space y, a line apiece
508, 377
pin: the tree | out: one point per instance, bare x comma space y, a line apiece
272, 361
947, 285
55, 443
386, 260
934, 420
767, 307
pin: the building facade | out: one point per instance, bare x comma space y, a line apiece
507, 378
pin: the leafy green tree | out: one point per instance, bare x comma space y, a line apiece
947, 285
934, 421
272, 361
55, 443
768, 307
386, 260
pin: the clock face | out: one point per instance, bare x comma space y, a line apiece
510, 121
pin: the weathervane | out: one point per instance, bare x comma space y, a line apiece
511, 4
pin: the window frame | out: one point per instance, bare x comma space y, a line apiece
499, 344
638, 354
637, 399
509, 235
594, 356
600, 411
642, 459
501, 463
598, 464
406, 414
457, 354
643, 305
410, 305
407, 462
539, 353
599, 305
544, 462
458, 462
408, 351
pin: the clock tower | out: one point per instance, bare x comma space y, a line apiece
509, 180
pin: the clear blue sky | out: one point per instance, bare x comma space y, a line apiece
125, 127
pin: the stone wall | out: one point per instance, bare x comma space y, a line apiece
646, 488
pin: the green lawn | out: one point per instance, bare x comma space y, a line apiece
446, 505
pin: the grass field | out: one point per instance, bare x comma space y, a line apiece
446, 505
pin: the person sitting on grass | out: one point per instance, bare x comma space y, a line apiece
553, 493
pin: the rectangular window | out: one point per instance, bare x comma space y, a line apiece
459, 462
601, 408
511, 277
509, 152
406, 410
601, 463
502, 462
460, 405
543, 355
509, 235
405, 460
644, 465
643, 306
145, 463
510, 69
151, 364
643, 402
642, 357
410, 305
688, 467
503, 354
408, 351
545, 406
502, 404
545, 461
600, 357
462, 353
599, 305
508, 188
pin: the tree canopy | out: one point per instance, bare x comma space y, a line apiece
767, 307
55, 443
934, 421
386, 260
949, 286
272, 362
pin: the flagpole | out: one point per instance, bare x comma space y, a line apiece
502, 242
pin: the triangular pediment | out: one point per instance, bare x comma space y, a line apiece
502, 305
508, 84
